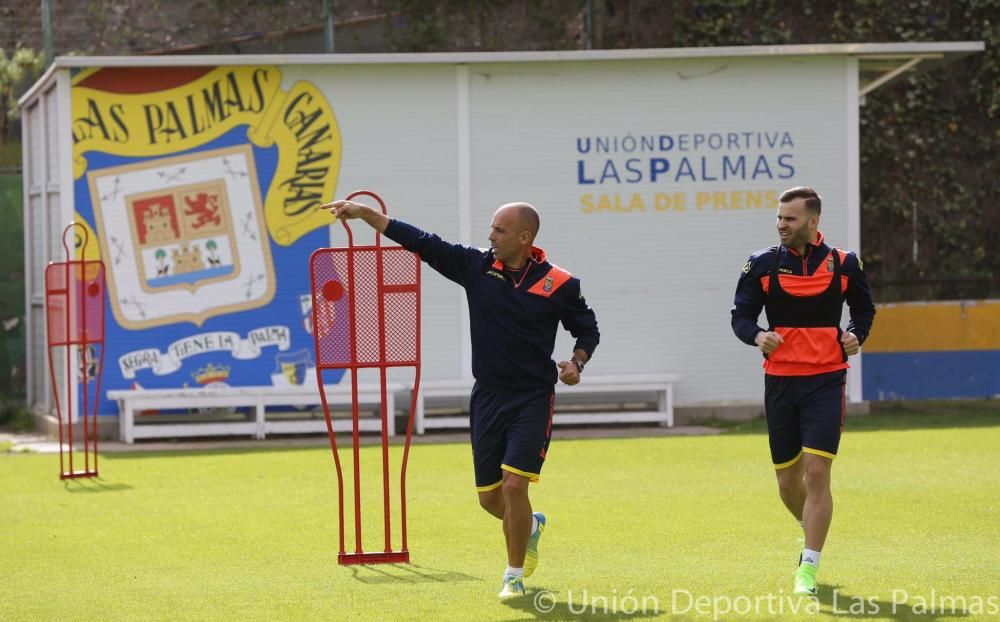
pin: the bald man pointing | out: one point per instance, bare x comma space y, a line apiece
516, 301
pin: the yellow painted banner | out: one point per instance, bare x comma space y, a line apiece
936, 327
298, 121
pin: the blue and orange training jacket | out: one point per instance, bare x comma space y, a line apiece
803, 296
513, 316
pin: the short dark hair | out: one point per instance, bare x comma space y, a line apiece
814, 202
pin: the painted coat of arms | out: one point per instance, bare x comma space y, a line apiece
170, 227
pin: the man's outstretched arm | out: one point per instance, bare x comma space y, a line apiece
348, 210
452, 261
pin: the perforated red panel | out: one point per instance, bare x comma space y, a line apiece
401, 284
331, 311
84, 295
56, 298
332, 269
366, 311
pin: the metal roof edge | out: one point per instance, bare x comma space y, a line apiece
947, 50
956, 48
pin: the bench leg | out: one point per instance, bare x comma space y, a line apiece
670, 405
259, 420
666, 405
128, 416
390, 406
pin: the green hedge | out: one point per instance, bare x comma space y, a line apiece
12, 345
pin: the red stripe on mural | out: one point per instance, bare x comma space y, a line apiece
132, 80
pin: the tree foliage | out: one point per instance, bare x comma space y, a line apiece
16, 70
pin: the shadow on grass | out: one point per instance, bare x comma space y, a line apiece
912, 607
406, 573
93, 484
886, 416
543, 604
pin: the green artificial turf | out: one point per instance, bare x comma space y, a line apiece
673, 527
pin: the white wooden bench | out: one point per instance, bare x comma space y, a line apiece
132, 401
621, 389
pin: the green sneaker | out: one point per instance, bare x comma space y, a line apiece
805, 580
531, 557
512, 586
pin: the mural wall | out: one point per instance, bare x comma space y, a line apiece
922, 350
655, 180
201, 186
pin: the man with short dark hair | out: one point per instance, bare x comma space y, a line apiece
516, 301
802, 283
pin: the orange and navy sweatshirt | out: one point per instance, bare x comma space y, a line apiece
803, 298
514, 315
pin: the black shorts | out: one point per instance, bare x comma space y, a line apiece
510, 431
804, 414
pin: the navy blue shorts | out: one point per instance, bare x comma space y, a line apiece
804, 414
510, 431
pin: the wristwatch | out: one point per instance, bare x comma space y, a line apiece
579, 364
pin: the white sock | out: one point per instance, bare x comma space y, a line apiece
810, 557
534, 524
516, 572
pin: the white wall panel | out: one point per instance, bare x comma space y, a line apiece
661, 282
398, 129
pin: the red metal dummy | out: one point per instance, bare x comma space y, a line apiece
366, 315
74, 309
